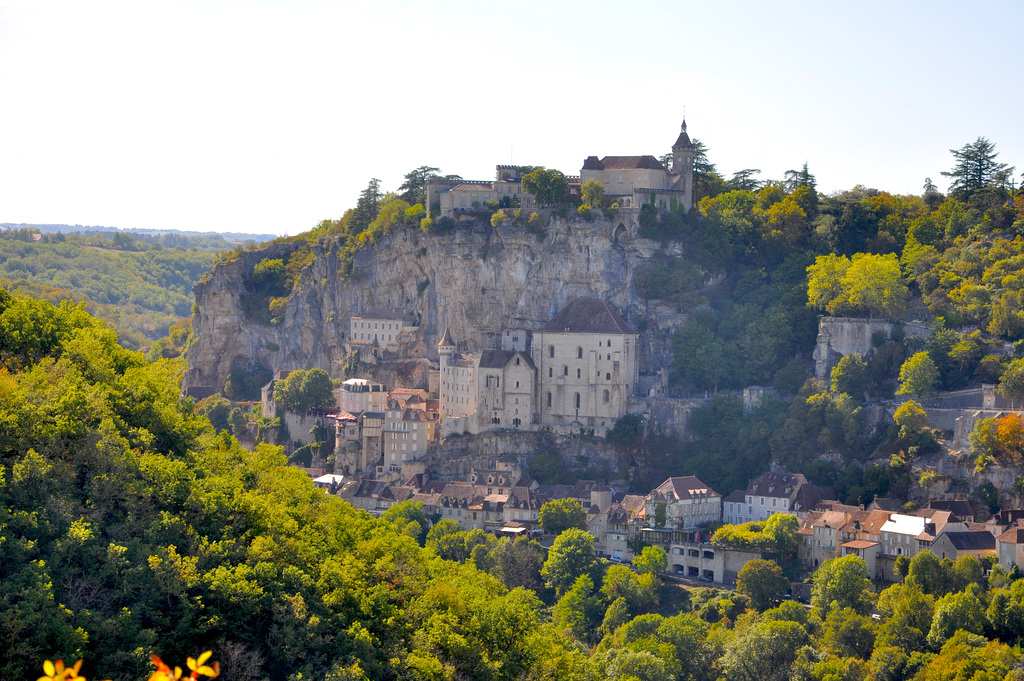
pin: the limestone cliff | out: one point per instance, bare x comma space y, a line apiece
476, 279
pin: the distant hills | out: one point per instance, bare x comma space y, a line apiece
230, 237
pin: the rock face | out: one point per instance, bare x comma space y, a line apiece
476, 279
840, 336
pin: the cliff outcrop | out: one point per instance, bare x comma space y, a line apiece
476, 279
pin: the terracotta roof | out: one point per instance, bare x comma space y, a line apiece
446, 338
1014, 535
833, 519
589, 315
859, 544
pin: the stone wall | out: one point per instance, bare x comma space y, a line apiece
841, 336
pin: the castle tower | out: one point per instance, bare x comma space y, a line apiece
682, 164
445, 350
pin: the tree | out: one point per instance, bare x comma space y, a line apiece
926, 571
414, 189
1011, 384
763, 582
743, 180
849, 634
580, 609
366, 208
850, 376
652, 560
957, 611
549, 186
302, 391
592, 192
571, 555
918, 375
842, 583
763, 652
558, 515
866, 284
907, 613
976, 168
517, 563
910, 418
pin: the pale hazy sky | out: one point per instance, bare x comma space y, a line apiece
268, 116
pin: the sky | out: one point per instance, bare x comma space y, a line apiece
267, 116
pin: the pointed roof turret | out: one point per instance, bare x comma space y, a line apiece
446, 338
683, 140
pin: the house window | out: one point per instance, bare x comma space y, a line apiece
551, 372
577, 400
551, 351
607, 376
565, 371
606, 396
549, 400
578, 373
517, 384
579, 353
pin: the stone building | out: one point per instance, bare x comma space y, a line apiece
374, 332
586, 358
633, 181
357, 395
408, 432
687, 502
450, 196
506, 388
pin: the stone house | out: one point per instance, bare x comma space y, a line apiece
452, 196
506, 388
374, 331
408, 432
357, 395
687, 502
1010, 547
953, 544
780, 492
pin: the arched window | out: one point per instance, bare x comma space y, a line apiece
577, 400
517, 364
579, 353
606, 396
549, 399
579, 372
517, 384
607, 376
609, 342
551, 351
551, 372
565, 370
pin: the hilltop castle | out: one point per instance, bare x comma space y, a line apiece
630, 181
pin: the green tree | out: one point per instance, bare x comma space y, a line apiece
549, 186
866, 284
558, 515
1011, 384
849, 634
580, 609
366, 208
592, 192
907, 613
927, 572
850, 376
842, 583
763, 652
570, 556
652, 560
957, 611
414, 189
976, 168
302, 391
918, 375
762, 582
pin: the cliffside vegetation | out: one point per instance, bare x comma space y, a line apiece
142, 288
130, 526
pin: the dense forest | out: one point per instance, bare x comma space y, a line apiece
142, 288
130, 526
